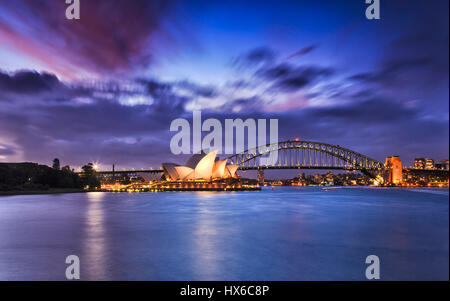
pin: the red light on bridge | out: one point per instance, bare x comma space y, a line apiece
296, 139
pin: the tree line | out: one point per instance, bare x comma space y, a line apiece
32, 176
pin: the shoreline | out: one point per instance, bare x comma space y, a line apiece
50, 191
62, 191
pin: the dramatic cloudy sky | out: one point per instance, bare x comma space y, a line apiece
106, 87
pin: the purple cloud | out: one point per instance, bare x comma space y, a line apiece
102, 41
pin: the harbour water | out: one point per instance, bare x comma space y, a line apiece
287, 233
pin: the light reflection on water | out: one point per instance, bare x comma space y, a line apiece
95, 239
280, 234
205, 235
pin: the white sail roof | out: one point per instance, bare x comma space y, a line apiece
170, 171
200, 167
194, 160
204, 168
183, 172
219, 168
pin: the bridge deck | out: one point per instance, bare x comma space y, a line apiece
129, 171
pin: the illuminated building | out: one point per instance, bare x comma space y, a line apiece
200, 167
419, 163
329, 179
395, 173
429, 164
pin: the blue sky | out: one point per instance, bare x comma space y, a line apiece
327, 73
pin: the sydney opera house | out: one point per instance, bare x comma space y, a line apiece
202, 172
200, 167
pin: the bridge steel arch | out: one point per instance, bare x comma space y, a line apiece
305, 154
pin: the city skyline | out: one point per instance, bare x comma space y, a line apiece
105, 89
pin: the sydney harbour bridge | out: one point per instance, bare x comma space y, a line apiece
290, 155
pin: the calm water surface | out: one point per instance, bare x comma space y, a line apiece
280, 234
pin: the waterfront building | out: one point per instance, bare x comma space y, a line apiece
394, 171
419, 163
329, 179
200, 167
429, 163
318, 179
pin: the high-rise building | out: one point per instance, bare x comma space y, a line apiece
419, 163
394, 169
429, 163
